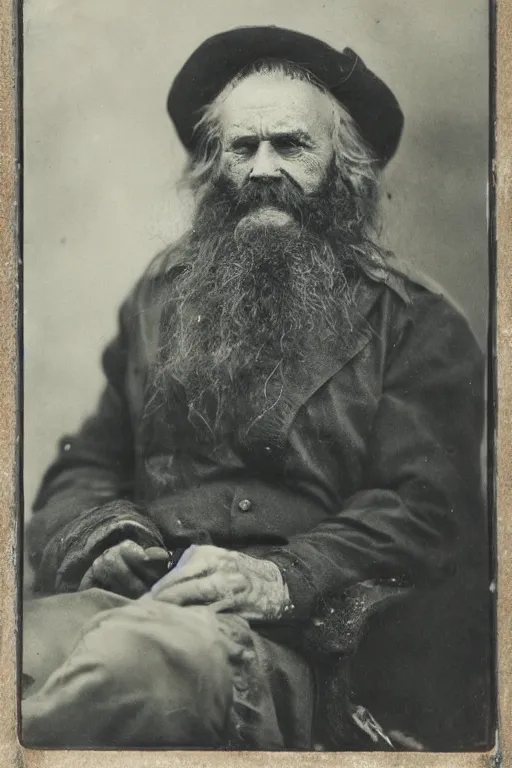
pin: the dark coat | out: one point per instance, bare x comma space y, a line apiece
372, 473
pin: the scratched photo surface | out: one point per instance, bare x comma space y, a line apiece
256, 317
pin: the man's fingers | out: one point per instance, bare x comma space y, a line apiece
203, 576
156, 554
149, 565
196, 562
120, 579
132, 554
206, 590
111, 572
129, 551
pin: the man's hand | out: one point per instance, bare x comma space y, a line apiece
127, 569
230, 581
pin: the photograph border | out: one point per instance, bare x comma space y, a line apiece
500, 438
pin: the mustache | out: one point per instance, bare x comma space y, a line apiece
331, 212
283, 193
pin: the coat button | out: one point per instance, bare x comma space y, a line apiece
244, 505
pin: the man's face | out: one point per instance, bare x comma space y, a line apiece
275, 129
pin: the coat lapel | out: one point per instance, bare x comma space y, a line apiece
325, 358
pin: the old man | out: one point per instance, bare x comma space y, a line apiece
289, 434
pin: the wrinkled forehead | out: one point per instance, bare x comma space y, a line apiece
274, 102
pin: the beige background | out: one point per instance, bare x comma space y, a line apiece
101, 161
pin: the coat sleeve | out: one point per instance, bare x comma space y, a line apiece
422, 493
94, 468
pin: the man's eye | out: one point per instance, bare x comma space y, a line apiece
244, 149
287, 146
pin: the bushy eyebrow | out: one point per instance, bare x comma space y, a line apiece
298, 136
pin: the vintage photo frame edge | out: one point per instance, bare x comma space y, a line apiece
11, 753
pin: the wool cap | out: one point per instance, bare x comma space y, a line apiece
222, 57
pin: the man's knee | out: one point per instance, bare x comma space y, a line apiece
154, 640
153, 654
147, 674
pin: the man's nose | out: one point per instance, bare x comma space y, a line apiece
265, 163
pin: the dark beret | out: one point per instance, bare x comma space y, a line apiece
220, 58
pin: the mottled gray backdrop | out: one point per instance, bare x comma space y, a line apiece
101, 161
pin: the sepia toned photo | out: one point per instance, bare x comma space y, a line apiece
257, 432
